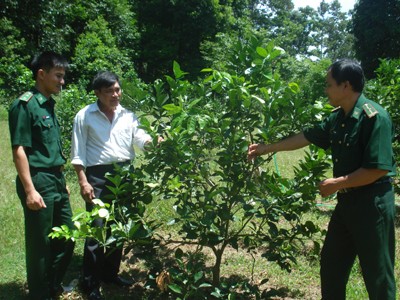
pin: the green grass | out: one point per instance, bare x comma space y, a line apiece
301, 283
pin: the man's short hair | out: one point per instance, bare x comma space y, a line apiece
104, 79
48, 60
348, 70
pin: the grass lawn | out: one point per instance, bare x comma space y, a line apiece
301, 283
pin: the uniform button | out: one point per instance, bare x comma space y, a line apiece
336, 160
340, 142
342, 124
347, 144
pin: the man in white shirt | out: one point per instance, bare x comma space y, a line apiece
103, 135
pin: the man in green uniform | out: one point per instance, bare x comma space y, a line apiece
359, 132
41, 186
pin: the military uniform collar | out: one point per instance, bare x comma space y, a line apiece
41, 99
358, 107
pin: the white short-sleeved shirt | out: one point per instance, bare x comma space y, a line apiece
96, 141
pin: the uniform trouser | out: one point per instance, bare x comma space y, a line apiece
362, 225
99, 263
46, 259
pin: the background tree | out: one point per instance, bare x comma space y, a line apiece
173, 30
14, 75
96, 50
333, 38
376, 28
152, 34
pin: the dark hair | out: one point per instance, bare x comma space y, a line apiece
348, 70
104, 79
48, 60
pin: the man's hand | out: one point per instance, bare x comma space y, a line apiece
34, 201
149, 144
328, 187
87, 192
256, 150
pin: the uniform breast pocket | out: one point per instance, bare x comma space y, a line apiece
48, 130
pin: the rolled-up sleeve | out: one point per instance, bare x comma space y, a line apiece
79, 140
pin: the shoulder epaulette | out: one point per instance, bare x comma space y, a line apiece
26, 96
370, 110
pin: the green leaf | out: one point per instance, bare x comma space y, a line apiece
177, 70
262, 101
262, 52
191, 125
172, 109
198, 276
175, 288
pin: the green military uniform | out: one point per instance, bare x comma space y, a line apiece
362, 223
33, 124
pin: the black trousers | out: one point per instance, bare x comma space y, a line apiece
100, 263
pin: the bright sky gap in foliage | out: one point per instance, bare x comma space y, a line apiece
345, 4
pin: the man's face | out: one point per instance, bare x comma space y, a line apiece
52, 80
333, 90
109, 97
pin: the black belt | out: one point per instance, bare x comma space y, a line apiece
57, 169
351, 189
108, 166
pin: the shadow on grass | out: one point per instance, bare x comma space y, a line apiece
110, 291
246, 290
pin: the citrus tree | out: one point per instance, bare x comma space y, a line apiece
220, 199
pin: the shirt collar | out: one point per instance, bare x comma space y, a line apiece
95, 107
357, 109
41, 99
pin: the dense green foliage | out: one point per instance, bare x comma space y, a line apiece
141, 39
376, 27
385, 89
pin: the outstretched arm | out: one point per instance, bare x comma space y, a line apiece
291, 143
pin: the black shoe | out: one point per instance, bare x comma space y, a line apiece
92, 291
118, 280
56, 292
